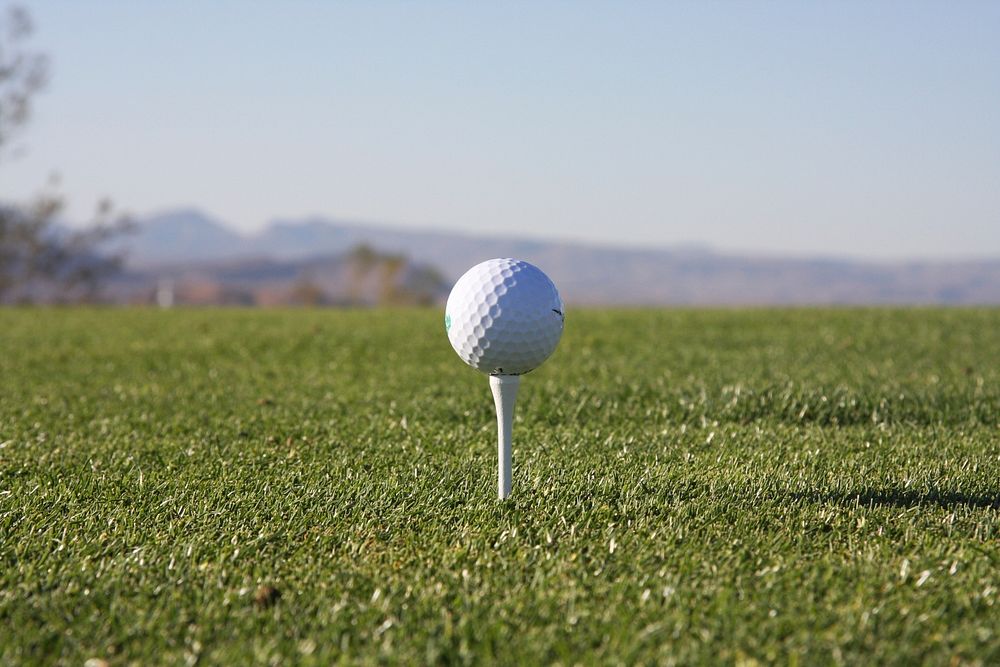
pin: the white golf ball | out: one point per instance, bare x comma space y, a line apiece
504, 317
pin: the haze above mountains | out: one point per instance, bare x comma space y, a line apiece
187, 240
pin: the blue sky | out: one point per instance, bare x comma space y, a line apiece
834, 128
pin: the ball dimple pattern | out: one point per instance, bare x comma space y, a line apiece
504, 317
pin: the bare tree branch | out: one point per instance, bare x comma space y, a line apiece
23, 73
39, 259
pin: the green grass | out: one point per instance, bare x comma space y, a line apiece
794, 486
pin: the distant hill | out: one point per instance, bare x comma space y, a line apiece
183, 235
584, 273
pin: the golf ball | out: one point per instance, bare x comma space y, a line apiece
504, 317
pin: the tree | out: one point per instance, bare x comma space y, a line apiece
22, 73
39, 261
391, 279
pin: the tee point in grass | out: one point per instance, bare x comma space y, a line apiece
504, 317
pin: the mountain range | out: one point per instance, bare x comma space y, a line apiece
585, 273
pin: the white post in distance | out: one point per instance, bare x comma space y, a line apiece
504, 389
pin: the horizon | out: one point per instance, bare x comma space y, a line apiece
859, 131
681, 246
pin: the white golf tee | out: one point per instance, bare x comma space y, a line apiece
504, 389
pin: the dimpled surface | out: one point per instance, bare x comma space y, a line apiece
504, 317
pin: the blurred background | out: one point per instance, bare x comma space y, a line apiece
363, 153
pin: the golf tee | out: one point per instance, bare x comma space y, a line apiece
504, 388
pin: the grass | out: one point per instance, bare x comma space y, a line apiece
224, 486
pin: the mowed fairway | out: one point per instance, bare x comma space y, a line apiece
792, 486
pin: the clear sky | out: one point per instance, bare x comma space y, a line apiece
860, 128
